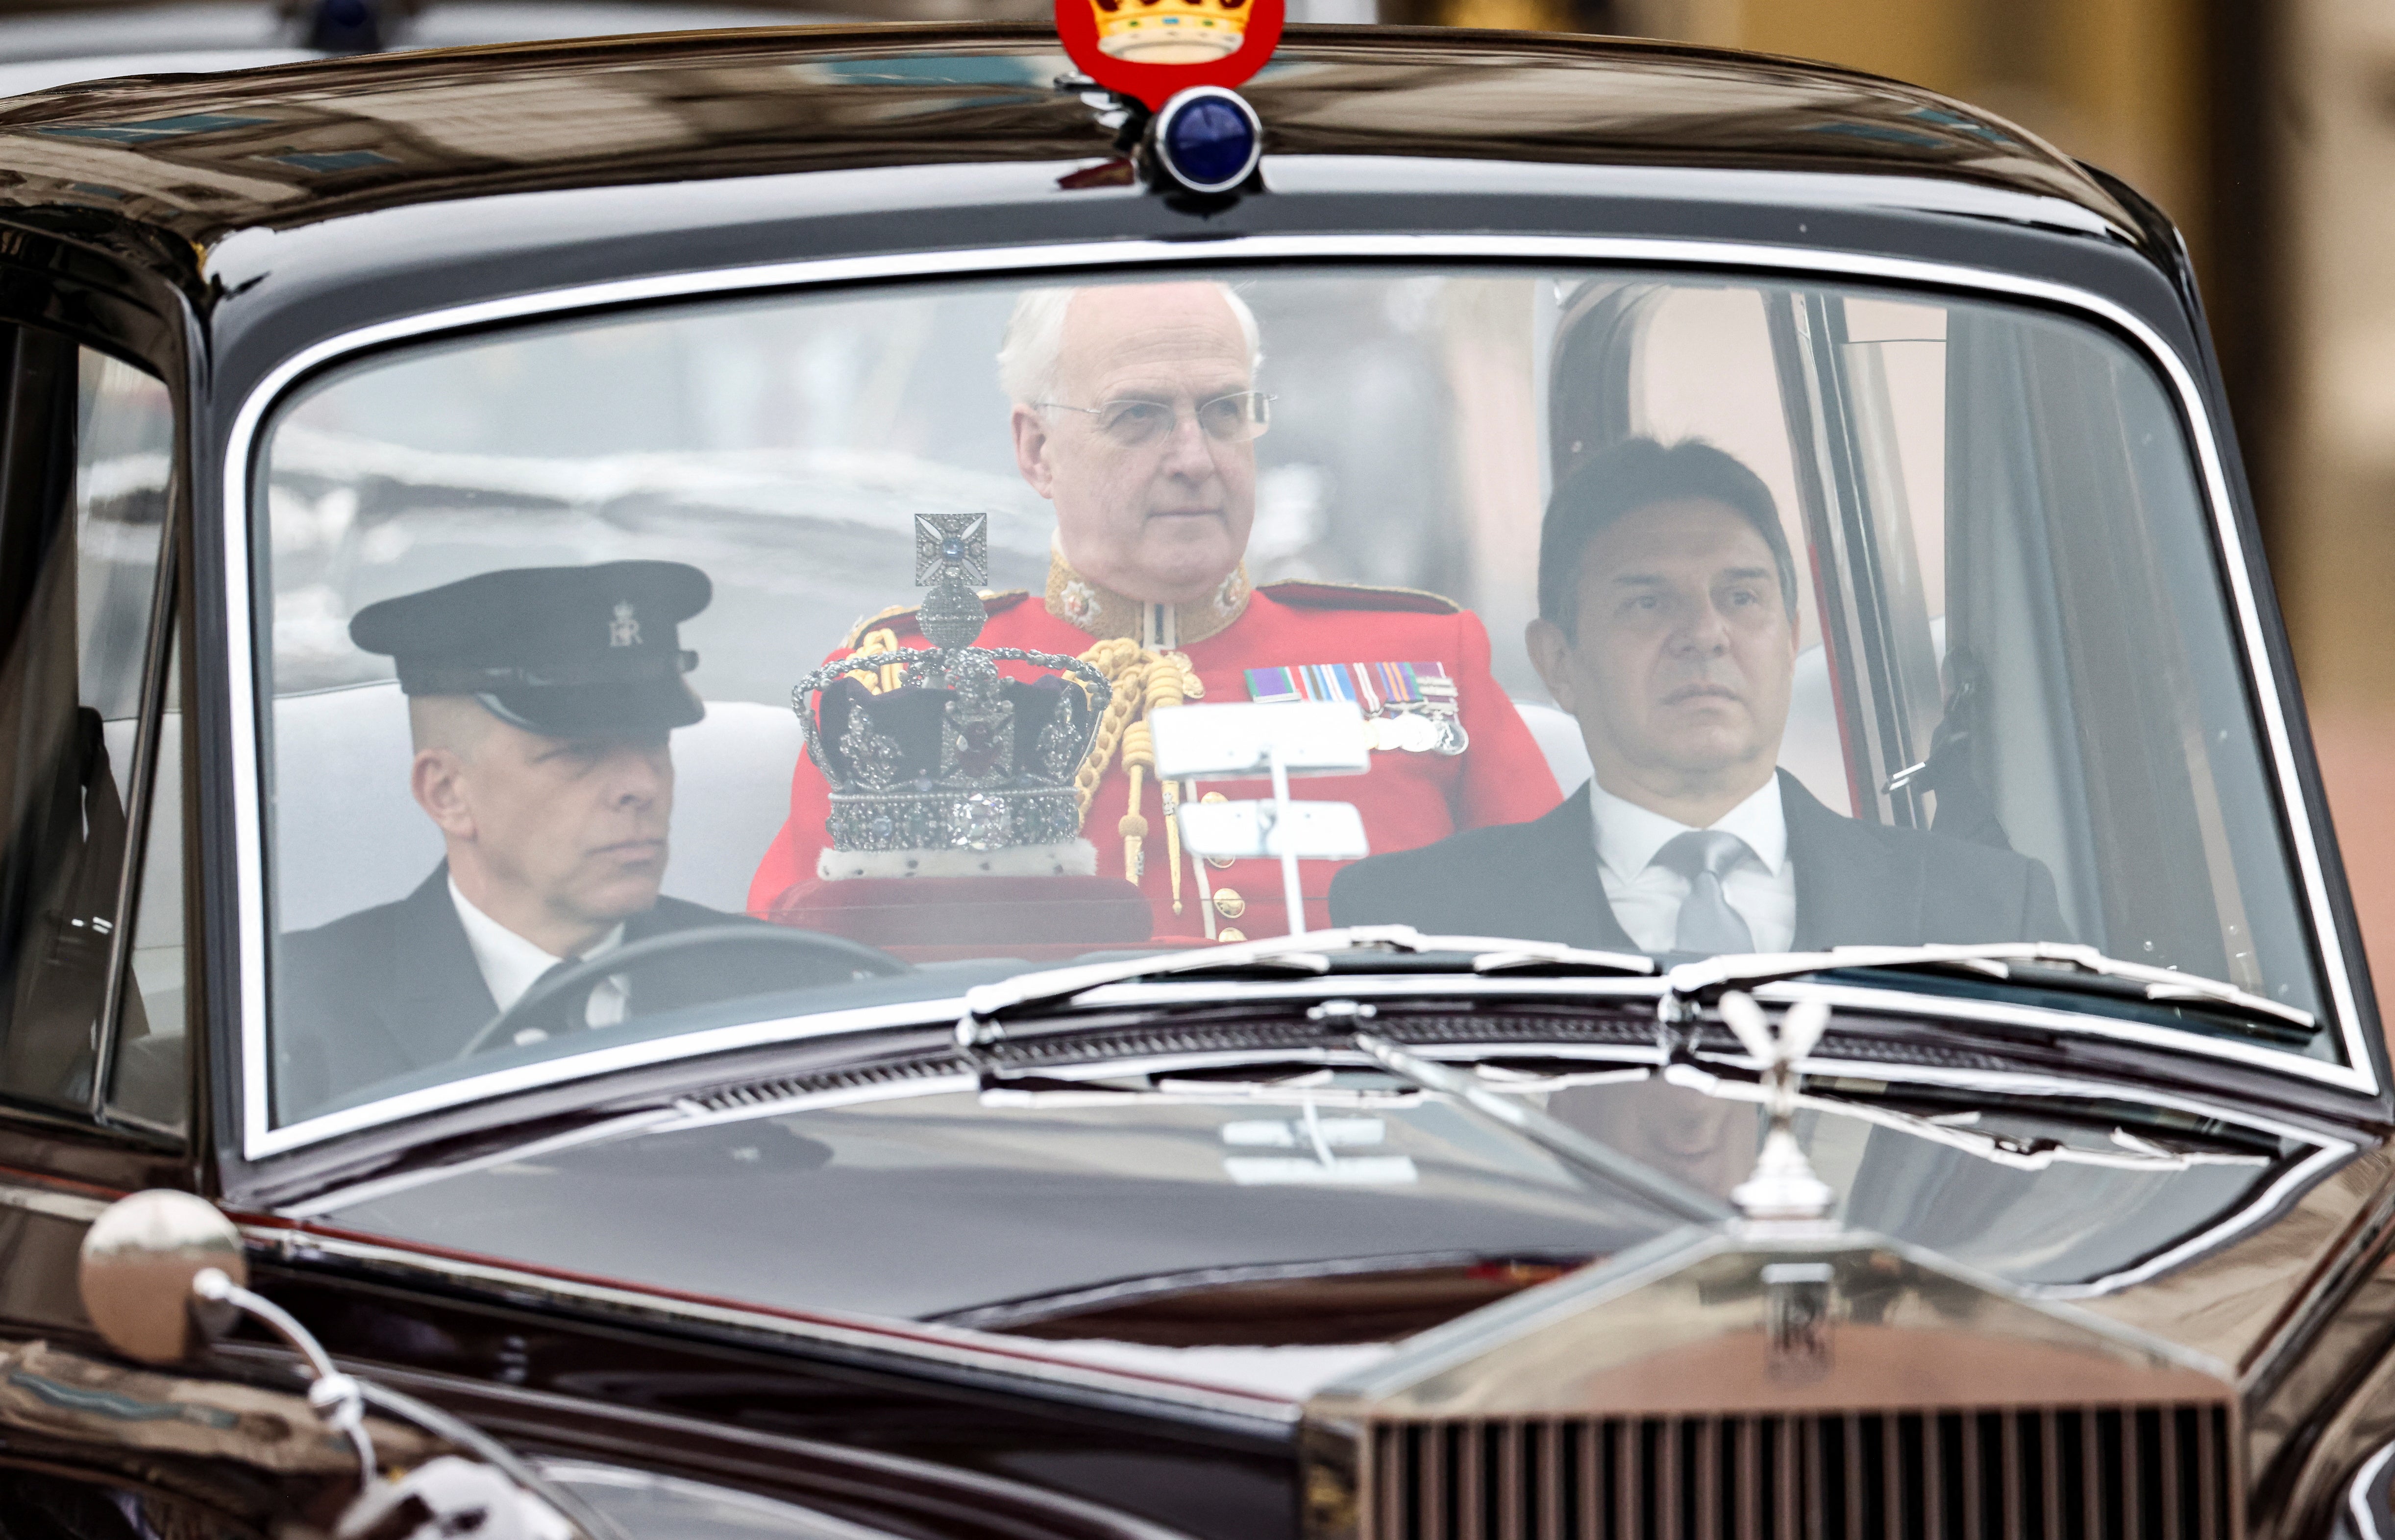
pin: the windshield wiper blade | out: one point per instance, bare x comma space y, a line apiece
1494, 955
1305, 955
2053, 964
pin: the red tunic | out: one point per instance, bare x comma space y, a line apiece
1408, 799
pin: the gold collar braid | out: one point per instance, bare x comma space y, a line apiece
1106, 614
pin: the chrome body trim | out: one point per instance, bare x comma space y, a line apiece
50, 1203
999, 1358
2357, 1494
259, 1137
383, 1187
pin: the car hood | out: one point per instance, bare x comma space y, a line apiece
1275, 1236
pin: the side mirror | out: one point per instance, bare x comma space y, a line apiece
162, 1273
140, 1259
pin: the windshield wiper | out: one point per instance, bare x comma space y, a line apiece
1307, 955
2049, 965
1554, 1136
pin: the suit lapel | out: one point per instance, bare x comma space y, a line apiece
1556, 892
1850, 889
438, 1000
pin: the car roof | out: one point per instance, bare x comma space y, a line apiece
200, 156
299, 204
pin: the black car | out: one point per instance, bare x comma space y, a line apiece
813, 784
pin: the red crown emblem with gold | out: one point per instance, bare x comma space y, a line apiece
1149, 50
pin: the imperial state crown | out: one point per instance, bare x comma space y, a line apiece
938, 764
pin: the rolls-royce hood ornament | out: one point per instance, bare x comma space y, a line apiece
1782, 1191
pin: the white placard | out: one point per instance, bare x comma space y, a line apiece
1238, 739
1340, 1171
1247, 831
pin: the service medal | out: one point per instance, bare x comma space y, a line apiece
1407, 706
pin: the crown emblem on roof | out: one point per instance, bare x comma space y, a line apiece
1171, 31
933, 748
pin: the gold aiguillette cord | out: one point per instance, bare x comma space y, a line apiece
1138, 757
1165, 687
1140, 682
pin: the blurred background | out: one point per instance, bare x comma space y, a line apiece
2266, 128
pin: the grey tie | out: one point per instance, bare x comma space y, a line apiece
1707, 922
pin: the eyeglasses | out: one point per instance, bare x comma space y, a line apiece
1232, 420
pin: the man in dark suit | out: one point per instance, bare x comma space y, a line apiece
539, 703
1667, 627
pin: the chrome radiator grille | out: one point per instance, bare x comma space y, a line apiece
2073, 1473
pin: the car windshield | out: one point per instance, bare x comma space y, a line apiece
753, 657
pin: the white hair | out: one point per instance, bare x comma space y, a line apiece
1034, 349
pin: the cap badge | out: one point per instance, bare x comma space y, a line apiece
624, 630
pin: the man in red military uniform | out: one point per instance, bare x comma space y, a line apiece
1137, 414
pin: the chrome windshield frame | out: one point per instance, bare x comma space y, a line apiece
259, 1138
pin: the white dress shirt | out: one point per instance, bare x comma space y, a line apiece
1646, 897
512, 965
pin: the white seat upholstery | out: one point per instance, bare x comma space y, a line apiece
1559, 740
1811, 750
732, 793
349, 835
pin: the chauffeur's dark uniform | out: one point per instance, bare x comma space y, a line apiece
1857, 884
574, 653
396, 988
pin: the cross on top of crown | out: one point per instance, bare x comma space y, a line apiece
951, 548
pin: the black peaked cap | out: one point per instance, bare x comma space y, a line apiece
565, 651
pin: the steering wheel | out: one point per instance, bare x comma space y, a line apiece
848, 959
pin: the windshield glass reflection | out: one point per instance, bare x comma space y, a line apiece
1631, 612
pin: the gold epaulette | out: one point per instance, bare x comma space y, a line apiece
1359, 596
994, 601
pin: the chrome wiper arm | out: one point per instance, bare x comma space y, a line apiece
1689, 982
1308, 954
1555, 1136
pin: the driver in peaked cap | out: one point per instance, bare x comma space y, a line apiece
540, 702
